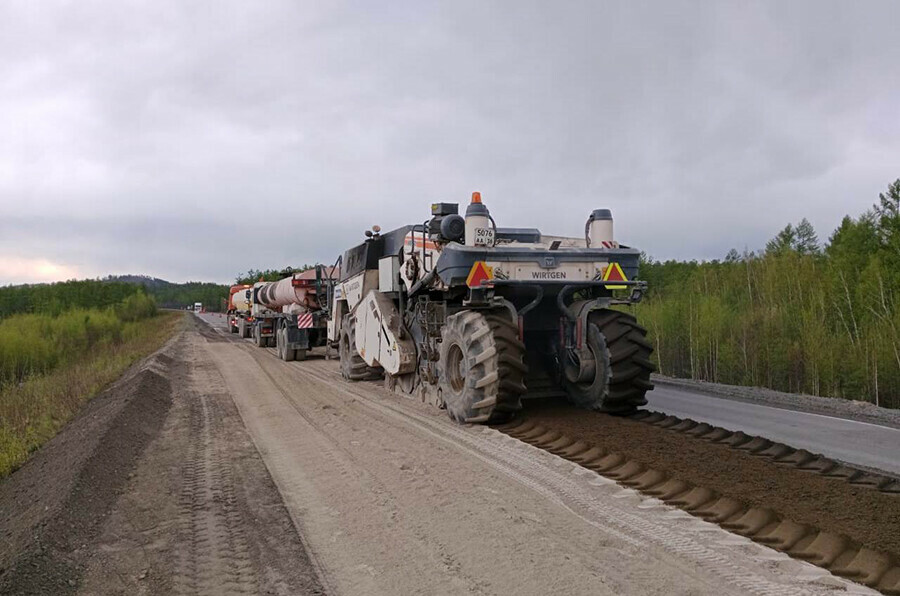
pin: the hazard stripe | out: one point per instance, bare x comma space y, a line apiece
304, 321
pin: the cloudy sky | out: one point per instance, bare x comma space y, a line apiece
194, 140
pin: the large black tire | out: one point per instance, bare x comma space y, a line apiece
259, 338
353, 367
622, 365
482, 373
285, 353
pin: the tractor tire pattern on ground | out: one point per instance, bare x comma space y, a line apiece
218, 559
838, 554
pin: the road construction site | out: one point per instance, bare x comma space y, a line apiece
776, 507
215, 467
784, 507
451, 407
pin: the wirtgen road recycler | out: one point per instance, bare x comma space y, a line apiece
472, 317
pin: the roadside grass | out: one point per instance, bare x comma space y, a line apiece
61, 378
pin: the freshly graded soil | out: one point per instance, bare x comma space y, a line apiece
864, 515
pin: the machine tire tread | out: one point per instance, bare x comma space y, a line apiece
494, 384
629, 357
354, 368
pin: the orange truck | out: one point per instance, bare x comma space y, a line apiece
238, 311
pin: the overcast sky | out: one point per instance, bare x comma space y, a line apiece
192, 140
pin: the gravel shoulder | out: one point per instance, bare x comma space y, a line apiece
827, 406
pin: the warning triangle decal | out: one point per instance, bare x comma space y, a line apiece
479, 274
614, 272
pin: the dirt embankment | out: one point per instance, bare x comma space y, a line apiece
154, 488
864, 515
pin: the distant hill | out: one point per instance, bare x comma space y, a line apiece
172, 295
142, 280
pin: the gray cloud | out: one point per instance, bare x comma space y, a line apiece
158, 137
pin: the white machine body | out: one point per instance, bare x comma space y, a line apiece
378, 335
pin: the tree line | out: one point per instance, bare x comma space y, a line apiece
211, 295
799, 315
254, 275
56, 298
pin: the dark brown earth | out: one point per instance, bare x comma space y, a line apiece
864, 515
154, 488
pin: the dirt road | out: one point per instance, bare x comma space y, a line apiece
393, 498
237, 473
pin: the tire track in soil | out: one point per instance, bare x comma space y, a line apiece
226, 545
201, 514
640, 454
350, 465
218, 560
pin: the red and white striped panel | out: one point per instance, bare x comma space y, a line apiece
305, 321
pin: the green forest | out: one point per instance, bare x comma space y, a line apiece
59, 345
56, 298
801, 315
212, 295
37, 342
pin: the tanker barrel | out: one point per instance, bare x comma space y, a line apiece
238, 298
285, 292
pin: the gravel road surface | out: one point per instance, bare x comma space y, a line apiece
214, 468
391, 497
860, 443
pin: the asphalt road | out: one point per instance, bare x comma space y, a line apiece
859, 443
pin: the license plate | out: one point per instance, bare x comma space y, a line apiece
484, 236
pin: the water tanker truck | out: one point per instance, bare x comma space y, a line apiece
473, 317
288, 314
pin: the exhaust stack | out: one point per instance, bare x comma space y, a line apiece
598, 231
479, 225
